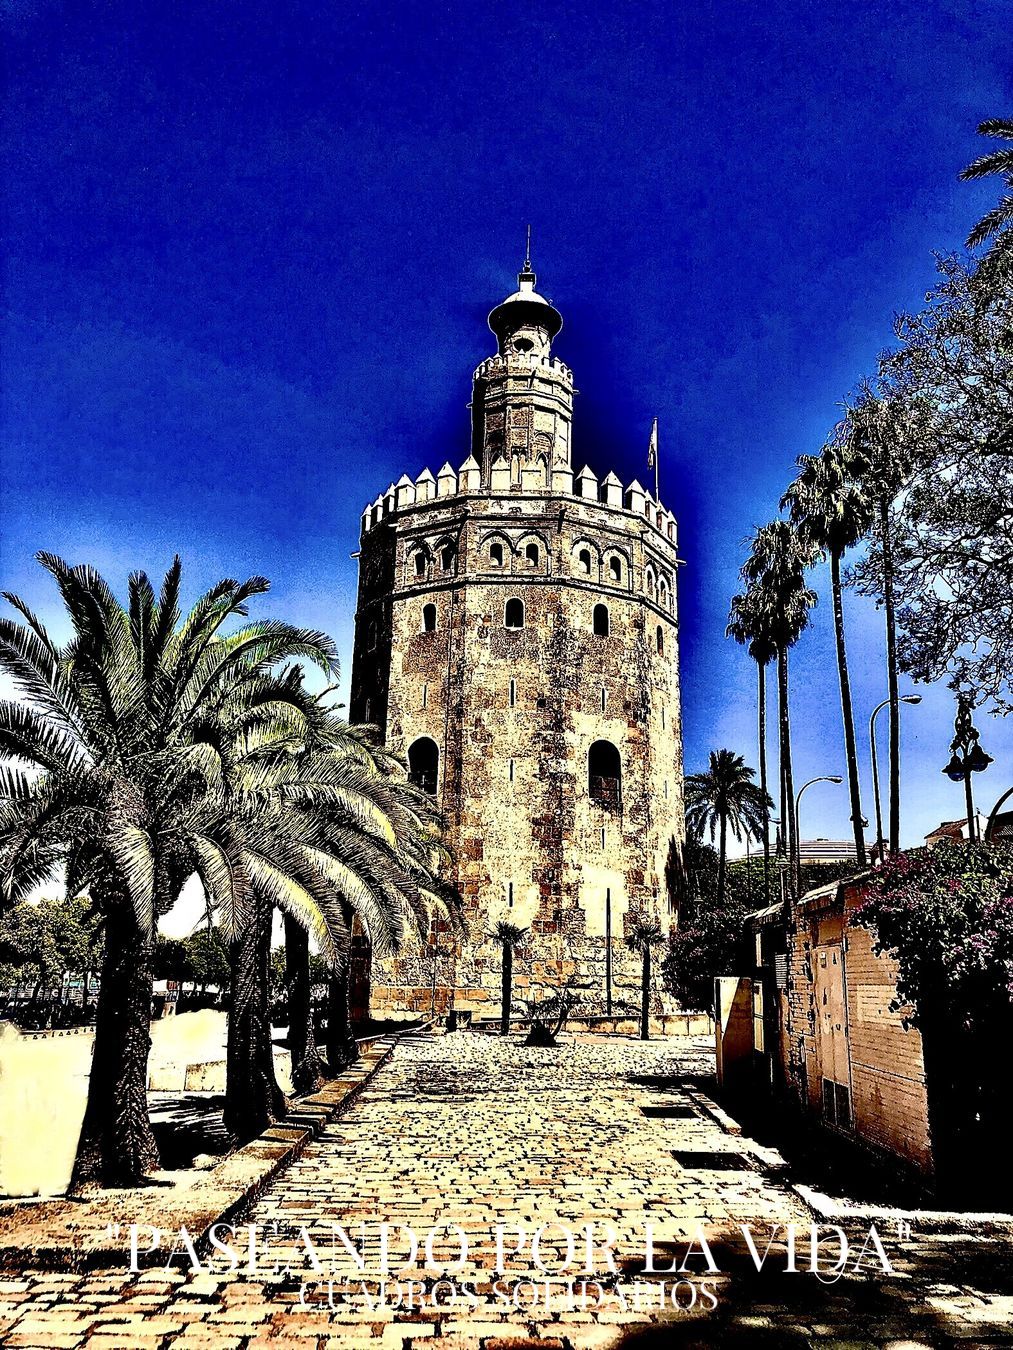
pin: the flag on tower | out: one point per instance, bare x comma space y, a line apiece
652, 454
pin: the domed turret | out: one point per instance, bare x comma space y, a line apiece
525, 322
522, 402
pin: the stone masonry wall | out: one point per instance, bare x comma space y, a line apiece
515, 711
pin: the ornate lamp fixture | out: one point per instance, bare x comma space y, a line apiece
966, 757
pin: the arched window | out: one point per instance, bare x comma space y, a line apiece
371, 635
584, 561
424, 764
429, 619
513, 615
663, 593
601, 621
615, 570
496, 554
447, 557
605, 775
420, 564
661, 640
531, 553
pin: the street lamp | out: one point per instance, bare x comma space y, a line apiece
880, 843
966, 757
823, 778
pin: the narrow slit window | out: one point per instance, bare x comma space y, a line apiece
604, 698
513, 693
660, 639
510, 894
511, 771
425, 695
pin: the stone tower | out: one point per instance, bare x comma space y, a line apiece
516, 639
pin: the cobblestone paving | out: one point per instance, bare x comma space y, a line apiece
470, 1132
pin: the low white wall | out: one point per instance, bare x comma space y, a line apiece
43, 1091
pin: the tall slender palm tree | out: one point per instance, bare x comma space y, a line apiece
996, 225
725, 797
749, 625
832, 511
643, 935
112, 729
883, 432
508, 935
776, 567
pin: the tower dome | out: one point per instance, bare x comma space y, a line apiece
525, 308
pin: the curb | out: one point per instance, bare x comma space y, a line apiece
82, 1236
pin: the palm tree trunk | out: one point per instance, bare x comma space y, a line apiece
892, 673
253, 1099
722, 857
850, 746
507, 980
341, 1047
787, 782
645, 994
307, 1067
117, 1146
761, 713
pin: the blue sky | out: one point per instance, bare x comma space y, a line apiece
251, 250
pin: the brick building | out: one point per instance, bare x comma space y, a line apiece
815, 1022
516, 639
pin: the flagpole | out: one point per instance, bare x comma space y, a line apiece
657, 488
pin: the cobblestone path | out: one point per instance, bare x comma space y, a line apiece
464, 1140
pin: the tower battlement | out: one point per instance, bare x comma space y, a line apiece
534, 480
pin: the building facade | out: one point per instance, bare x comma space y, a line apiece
516, 639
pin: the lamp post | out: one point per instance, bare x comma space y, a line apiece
966, 757
880, 842
823, 778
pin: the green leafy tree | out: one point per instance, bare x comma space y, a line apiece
832, 510
947, 395
41, 943
946, 916
723, 798
997, 224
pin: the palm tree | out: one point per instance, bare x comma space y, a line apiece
644, 933
883, 432
832, 511
507, 935
997, 224
327, 832
776, 567
307, 1065
725, 796
118, 730
749, 625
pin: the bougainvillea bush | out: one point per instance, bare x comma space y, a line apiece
946, 915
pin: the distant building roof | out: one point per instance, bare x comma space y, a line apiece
827, 850
951, 831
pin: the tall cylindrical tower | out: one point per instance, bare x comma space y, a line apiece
517, 639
